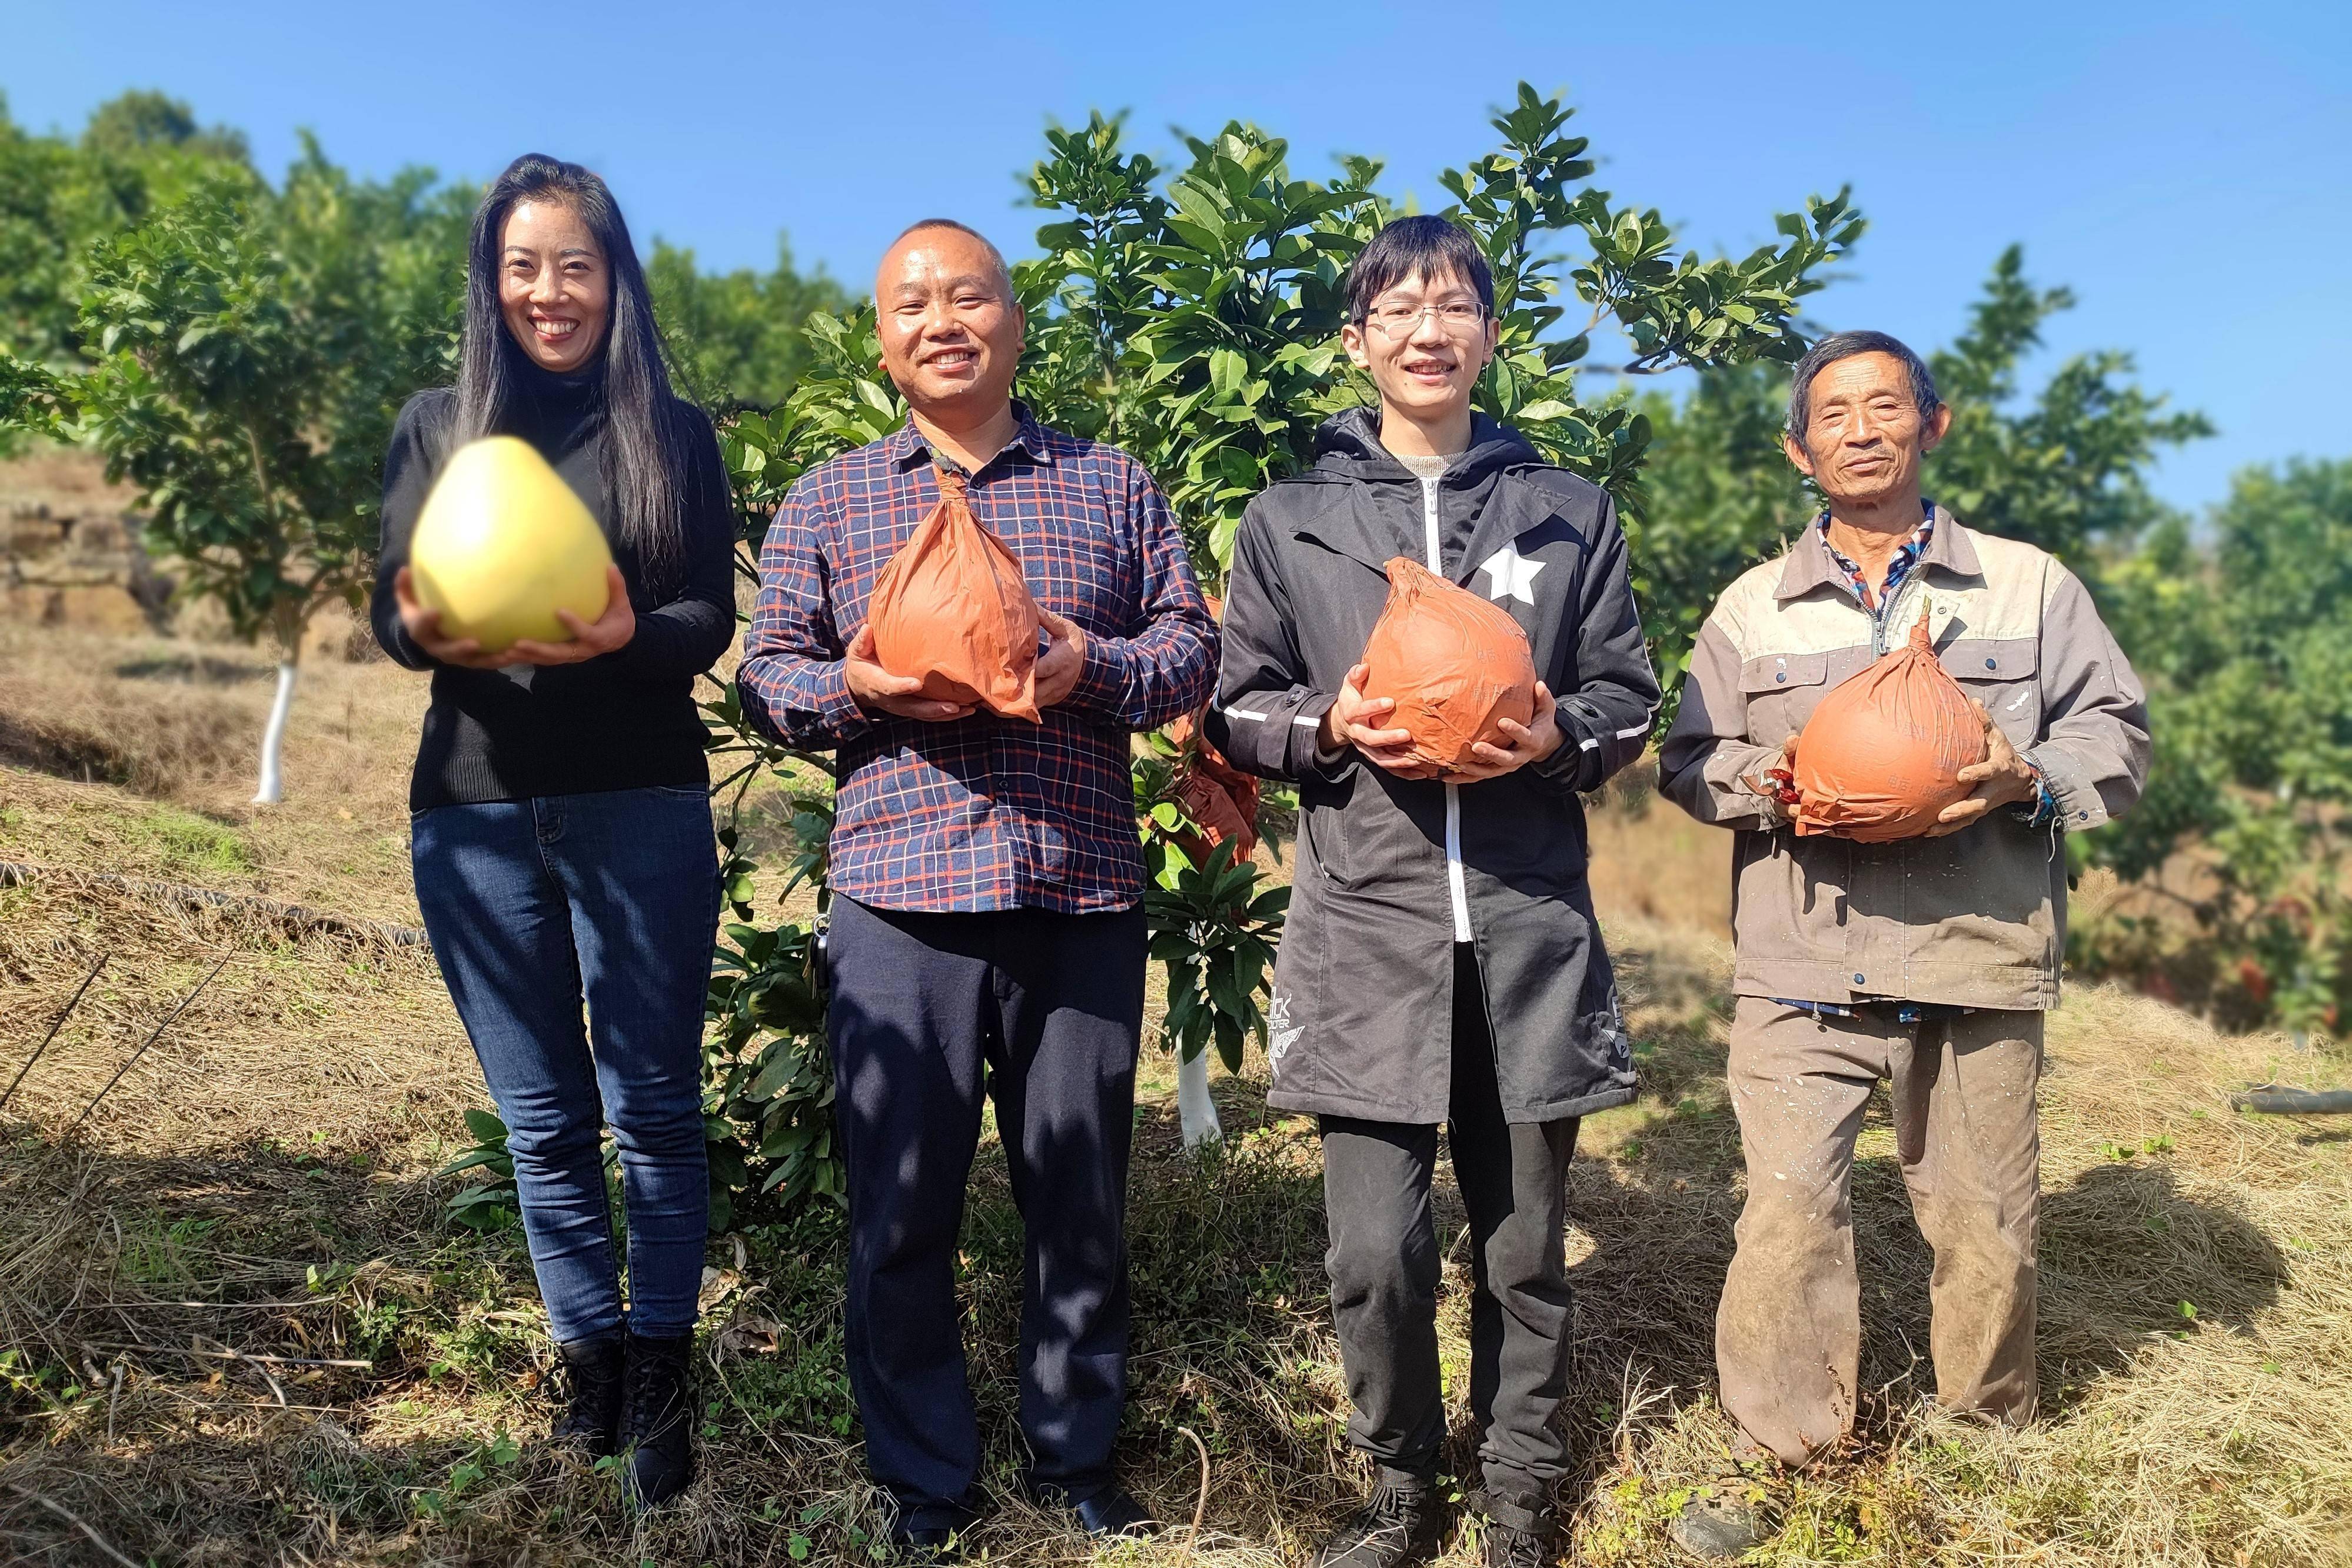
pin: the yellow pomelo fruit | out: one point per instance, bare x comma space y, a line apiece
503, 543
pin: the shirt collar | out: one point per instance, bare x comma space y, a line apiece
906, 445
1810, 565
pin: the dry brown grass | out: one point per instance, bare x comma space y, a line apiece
263, 1182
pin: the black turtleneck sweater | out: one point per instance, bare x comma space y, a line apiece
623, 720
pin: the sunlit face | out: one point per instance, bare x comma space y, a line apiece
555, 287
950, 329
1864, 437
1423, 343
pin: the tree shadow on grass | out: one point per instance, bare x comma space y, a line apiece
1231, 1336
2122, 1246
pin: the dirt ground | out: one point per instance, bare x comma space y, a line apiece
239, 1328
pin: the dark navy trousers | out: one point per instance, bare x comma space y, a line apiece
1042, 1013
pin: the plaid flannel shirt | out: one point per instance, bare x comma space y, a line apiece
983, 813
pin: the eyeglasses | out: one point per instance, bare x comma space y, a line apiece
1460, 317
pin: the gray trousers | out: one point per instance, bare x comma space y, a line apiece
1788, 1336
1384, 1267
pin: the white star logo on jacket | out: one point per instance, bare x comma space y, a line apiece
1511, 575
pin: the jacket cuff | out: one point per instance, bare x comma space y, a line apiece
1304, 752
2080, 806
1577, 763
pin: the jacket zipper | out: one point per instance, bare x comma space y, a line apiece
1453, 884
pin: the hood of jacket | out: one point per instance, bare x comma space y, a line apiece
1348, 448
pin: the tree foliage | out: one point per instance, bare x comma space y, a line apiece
2068, 471
140, 152
2065, 469
737, 337
140, 122
2246, 643
1190, 315
251, 351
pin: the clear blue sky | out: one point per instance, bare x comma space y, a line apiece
2186, 169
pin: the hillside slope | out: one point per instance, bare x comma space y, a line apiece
262, 1184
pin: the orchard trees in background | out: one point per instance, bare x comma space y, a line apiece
2246, 643
737, 337
251, 351
2065, 470
140, 152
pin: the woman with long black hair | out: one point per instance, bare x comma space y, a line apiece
560, 824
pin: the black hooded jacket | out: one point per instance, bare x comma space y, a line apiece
1391, 872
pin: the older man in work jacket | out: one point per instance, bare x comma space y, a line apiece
1929, 961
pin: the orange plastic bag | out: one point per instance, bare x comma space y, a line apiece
1220, 799
953, 610
1453, 663
1879, 758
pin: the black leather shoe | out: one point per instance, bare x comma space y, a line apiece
1398, 1526
658, 1419
1115, 1513
590, 1371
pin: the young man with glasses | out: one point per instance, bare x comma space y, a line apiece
1441, 964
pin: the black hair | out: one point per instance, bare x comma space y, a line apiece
1423, 246
1845, 346
644, 461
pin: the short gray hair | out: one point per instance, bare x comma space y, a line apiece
995, 256
1845, 346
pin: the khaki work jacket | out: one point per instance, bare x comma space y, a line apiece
1973, 919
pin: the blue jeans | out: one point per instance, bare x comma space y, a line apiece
535, 906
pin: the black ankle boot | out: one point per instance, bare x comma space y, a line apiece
1520, 1531
1398, 1526
658, 1420
590, 1371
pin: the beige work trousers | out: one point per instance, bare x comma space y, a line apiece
1788, 1335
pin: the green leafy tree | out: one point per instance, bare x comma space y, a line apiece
33, 401
2245, 643
140, 122
1191, 316
252, 349
1722, 496
2065, 469
140, 152
737, 337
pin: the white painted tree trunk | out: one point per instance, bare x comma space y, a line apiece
1195, 1111
273, 741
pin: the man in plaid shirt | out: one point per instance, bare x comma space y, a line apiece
988, 924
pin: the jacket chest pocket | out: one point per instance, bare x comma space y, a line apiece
1782, 690
2005, 674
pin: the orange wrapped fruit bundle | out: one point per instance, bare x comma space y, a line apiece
953, 610
1220, 799
1454, 665
1880, 758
